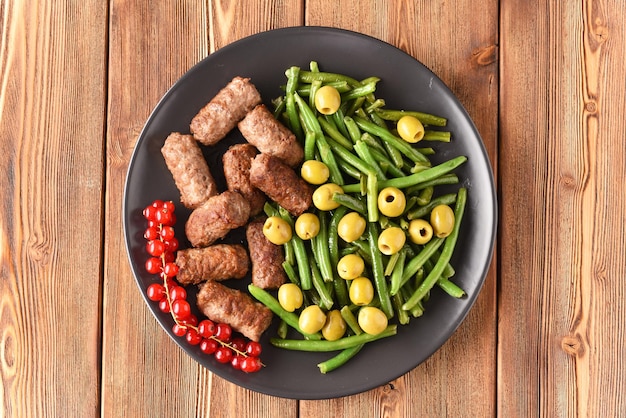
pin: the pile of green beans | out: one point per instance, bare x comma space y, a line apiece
364, 154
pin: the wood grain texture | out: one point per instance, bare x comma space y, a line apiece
52, 97
562, 245
466, 60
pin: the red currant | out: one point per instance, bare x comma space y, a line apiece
170, 269
181, 309
193, 337
179, 330
155, 292
164, 305
157, 204
253, 349
150, 213
250, 364
206, 328
171, 245
169, 257
167, 232
238, 344
164, 216
223, 354
169, 205
153, 265
155, 247
223, 332
236, 361
191, 320
178, 293
151, 233
208, 346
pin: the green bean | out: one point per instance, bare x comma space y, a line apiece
328, 158
349, 157
418, 261
339, 360
425, 196
446, 199
450, 288
446, 253
364, 249
291, 273
325, 77
363, 151
309, 145
373, 143
326, 300
376, 104
380, 281
425, 118
340, 344
323, 251
397, 273
350, 319
337, 119
449, 178
331, 130
302, 261
353, 129
341, 86
403, 316
350, 202
441, 136
427, 150
372, 197
360, 91
272, 303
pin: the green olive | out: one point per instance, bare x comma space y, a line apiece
372, 320
442, 220
314, 172
361, 291
311, 319
307, 226
323, 196
410, 129
420, 231
277, 230
327, 100
335, 326
391, 202
351, 226
350, 266
290, 297
391, 240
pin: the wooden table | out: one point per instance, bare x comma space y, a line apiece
545, 84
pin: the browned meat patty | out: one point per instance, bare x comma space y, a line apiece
216, 262
234, 307
264, 131
190, 170
224, 111
237, 161
216, 217
281, 183
266, 258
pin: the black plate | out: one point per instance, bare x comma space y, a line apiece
406, 84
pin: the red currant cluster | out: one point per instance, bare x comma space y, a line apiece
216, 339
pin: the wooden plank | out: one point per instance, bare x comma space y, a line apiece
52, 98
466, 59
148, 53
562, 198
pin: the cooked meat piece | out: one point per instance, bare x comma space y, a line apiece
236, 161
266, 258
234, 307
224, 111
281, 183
216, 217
264, 131
190, 170
216, 262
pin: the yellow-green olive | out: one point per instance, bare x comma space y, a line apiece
311, 319
361, 291
391, 202
442, 220
307, 226
290, 297
335, 326
327, 100
420, 231
372, 320
323, 196
351, 226
350, 266
314, 172
391, 240
410, 129
277, 230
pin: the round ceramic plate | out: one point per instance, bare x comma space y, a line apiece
405, 84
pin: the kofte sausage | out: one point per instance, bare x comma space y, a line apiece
216, 217
224, 111
266, 258
281, 183
264, 131
190, 170
236, 162
234, 307
216, 262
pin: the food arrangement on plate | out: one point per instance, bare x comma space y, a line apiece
346, 228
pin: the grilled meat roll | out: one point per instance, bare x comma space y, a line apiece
281, 183
234, 307
264, 131
216, 217
190, 170
236, 161
216, 262
224, 111
266, 258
